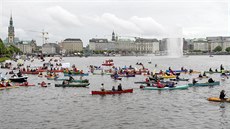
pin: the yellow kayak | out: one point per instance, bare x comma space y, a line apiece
170, 76
216, 99
9, 87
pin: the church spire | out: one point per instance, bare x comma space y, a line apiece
113, 36
11, 31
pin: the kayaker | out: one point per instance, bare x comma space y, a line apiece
113, 89
200, 76
204, 74
194, 81
102, 87
71, 78
119, 87
222, 95
216, 70
210, 70
221, 67
26, 83
210, 80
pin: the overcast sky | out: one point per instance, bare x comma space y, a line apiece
86, 19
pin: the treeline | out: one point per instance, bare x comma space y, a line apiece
8, 51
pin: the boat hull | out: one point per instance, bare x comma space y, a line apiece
167, 88
205, 84
112, 92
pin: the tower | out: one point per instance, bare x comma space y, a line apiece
113, 36
11, 31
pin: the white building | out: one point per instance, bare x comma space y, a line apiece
50, 48
201, 44
72, 45
101, 44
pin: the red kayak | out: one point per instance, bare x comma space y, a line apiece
112, 92
24, 84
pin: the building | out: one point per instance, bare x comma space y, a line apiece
201, 44
72, 45
143, 45
11, 39
221, 41
27, 47
50, 48
101, 44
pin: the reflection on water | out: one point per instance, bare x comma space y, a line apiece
55, 107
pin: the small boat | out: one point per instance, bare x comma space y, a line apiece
80, 81
205, 84
108, 64
216, 99
124, 75
80, 74
211, 72
24, 84
72, 85
102, 73
166, 88
111, 92
18, 79
8, 87
170, 76
30, 72
180, 79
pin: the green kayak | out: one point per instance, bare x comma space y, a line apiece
205, 84
167, 88
72, 85
80, 81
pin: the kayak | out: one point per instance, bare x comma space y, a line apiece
124, 75
30, 72
212, 72
205, 84
72, 85
180, 79
18, 79
8, 87
215, 99
23, 84
102, 73
82, 74
80, 81
166, 88
170, 76
111, 92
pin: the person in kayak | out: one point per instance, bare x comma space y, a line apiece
102, 87
113, 89
200, 76
222, 95
119, 87
194, 81
204, 74
210, 80
71, 78
210, 70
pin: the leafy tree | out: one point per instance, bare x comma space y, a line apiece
227, 49
2, 48
217, 49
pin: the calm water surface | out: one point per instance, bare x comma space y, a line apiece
75, 108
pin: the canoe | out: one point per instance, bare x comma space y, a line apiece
205, 84
80, 81
180, 79
111, 92
216, 99
72, 85
167, 88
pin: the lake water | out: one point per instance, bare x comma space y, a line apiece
75, 108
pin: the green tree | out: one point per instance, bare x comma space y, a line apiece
2, 48
217, 49
227, 49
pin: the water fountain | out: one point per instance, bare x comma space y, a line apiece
175, 42
175, 47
